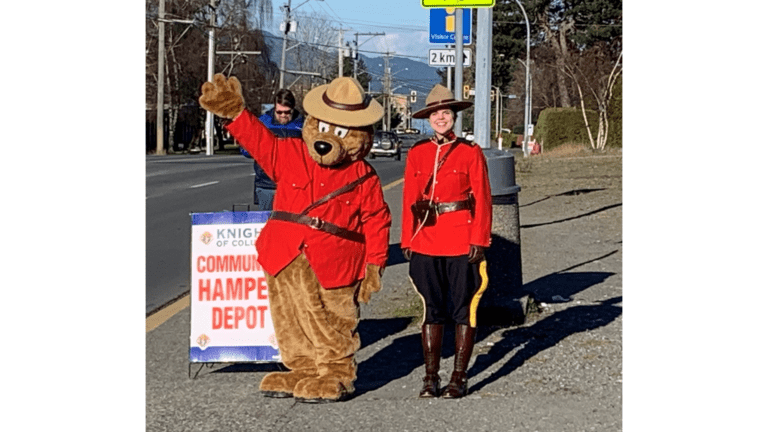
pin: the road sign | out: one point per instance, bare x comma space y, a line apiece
447, 57
442, 23
458, 3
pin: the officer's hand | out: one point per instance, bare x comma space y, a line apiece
223, 97
407, 253
476, 254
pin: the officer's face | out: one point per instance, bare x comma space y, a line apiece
441, 121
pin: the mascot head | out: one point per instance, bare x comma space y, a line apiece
339, 124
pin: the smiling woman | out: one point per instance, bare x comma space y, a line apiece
446, 227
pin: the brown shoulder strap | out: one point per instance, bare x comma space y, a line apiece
337, 192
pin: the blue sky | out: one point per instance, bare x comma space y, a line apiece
405, 22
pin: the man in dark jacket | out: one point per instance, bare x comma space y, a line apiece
285, 121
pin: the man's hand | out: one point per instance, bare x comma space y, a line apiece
223, 97
476, 254
371, 283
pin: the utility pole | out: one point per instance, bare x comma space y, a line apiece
341, 51
354, 57
211, 48
287, 24
387, 89
159, 148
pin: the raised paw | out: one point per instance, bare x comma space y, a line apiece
223, 97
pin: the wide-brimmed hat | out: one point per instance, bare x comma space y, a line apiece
438, 98
343, 102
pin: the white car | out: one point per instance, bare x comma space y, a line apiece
385, 144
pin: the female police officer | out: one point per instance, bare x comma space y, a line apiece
446, 228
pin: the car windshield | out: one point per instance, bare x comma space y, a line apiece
385, 135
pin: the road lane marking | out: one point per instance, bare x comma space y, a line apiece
203, 184
393, 184
164, 314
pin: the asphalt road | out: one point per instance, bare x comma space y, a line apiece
179, 185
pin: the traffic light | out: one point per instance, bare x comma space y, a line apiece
466, 91
493, 94
413, 96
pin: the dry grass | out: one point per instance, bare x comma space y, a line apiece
577, 150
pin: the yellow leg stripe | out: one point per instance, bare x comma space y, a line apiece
423, 302
478, 294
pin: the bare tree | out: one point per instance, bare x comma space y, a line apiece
316, 45
186, 55
601, 87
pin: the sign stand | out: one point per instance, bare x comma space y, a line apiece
230, 320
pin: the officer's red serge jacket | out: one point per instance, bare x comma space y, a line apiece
336, 261
464, 171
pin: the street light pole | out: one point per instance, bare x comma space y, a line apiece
458, 93
527, 80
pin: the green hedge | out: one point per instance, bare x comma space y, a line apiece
558, 126
615, 116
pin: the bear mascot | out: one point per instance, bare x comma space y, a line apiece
325, 245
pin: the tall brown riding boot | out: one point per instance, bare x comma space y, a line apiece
465, 342
431, 343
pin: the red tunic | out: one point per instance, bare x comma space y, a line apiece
463, 172
300, 180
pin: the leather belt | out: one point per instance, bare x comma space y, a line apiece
452, 206
318, 224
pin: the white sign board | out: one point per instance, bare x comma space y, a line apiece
447, 57
230, 319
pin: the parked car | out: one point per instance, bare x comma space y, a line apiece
385, 144
407, 140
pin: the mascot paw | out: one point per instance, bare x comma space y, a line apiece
281, 384
322, 390
223, 97
371, 283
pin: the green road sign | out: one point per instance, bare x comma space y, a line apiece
458, 3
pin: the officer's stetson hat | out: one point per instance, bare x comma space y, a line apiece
343, 102
440, 97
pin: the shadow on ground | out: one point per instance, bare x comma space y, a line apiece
541, 336
503, 305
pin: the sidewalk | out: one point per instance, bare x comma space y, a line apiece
560, 371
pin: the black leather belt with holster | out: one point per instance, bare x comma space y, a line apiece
318, 224
427, 212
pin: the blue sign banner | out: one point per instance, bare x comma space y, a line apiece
442, 25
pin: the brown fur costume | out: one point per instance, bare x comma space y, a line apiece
315, 327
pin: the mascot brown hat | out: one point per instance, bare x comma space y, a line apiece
343, 102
